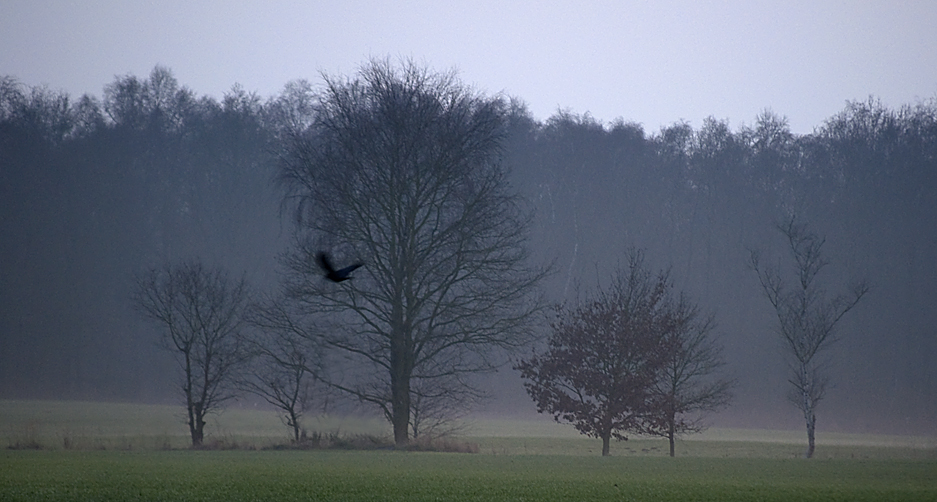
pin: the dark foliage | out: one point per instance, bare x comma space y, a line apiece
605, 356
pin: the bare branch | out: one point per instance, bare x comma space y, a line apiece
807, 318
200, 313
399, 169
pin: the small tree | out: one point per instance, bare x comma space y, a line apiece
806, 317
604, 357
689, 384
284, 364
200, 311
437, 406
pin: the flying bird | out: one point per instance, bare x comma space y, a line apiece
333, 275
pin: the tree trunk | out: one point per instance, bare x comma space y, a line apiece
811, 427
401, 413
198, 435
295, 423
807, 390
400, 369
606, 439
194, 433
197, 424
190, 402
672, 429
400, 395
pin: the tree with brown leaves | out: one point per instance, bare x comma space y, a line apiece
604, 357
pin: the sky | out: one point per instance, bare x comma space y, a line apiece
650, 62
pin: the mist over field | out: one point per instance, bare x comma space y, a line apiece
94, 189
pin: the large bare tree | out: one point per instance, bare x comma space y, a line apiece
399, 167
199, 311
807, 317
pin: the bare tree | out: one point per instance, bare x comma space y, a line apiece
399, 168
285, 363
807, 318
438, 405
689, 384
200, 313
604, 357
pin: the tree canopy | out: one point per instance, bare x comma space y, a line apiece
400, 169
626, 360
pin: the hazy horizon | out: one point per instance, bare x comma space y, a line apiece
654, 63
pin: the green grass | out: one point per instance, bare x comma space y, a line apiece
730, 448
118, 452
389, 475
544, 437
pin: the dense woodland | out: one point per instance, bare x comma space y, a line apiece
95, 189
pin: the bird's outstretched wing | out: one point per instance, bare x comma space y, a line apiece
347, 270
330, 272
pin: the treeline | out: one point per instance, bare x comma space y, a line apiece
91, 190
700, 200
94, 189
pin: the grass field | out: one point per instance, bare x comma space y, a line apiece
126, 452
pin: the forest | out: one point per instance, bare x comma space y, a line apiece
93, 190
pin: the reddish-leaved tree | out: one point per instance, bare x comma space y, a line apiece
604, 357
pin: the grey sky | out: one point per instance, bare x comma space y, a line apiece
649, 62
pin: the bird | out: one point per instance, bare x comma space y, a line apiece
342, 274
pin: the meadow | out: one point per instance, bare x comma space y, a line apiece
96, 451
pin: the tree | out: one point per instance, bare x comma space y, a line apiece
689, 384
807, 318
399, 168
436, 406
605, 357
284, 364
200, 312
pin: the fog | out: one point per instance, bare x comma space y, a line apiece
93, 189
